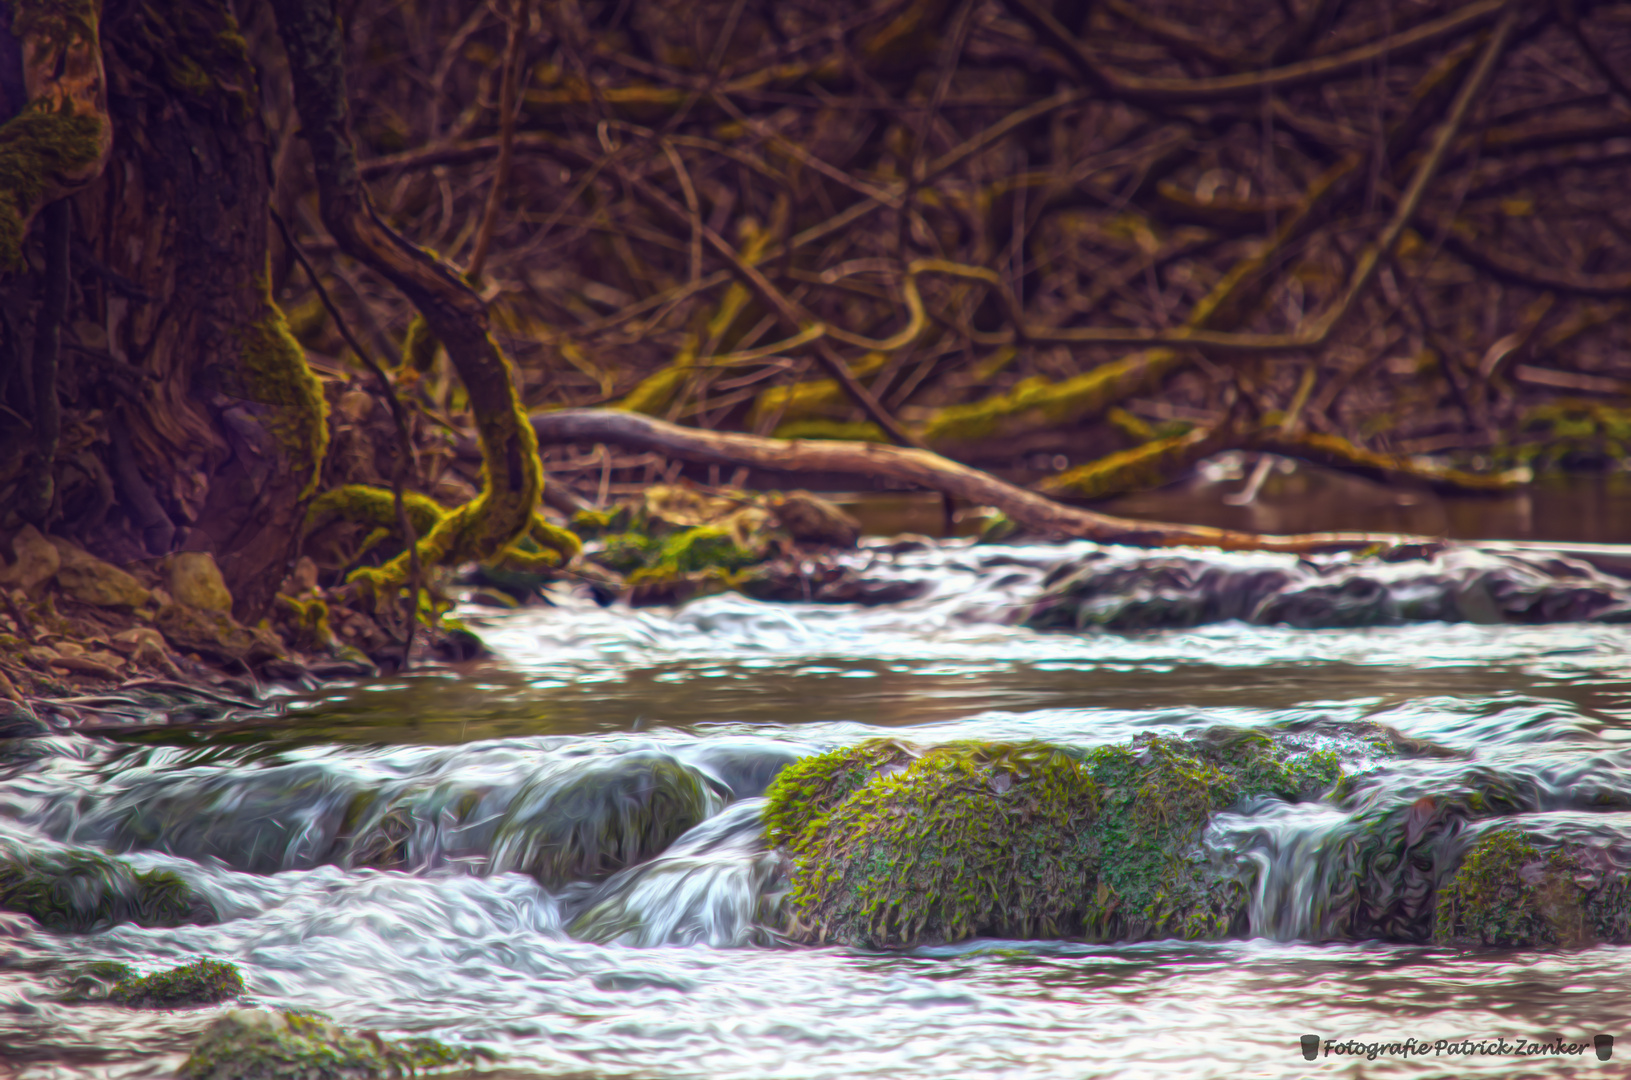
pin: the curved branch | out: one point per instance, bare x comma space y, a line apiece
512, 474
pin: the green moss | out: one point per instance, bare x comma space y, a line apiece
840, 430
892, 848
81, 891
305, 623
626, 552
272, 370
202, 982
258, 1044
362, 504
1570, 434
993, 839
1036, 403
705, 547
804, 792
38, 146
815, 399
1509, 893
419, 347
1151, 465
592, 523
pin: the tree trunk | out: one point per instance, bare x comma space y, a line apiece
220, 440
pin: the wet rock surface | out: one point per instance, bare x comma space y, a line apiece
1122, 590
262, 1044
896, 846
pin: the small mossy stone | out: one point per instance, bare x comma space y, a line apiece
1508, 893
196, 581
81, 891
202, 982
260, 1044
89, 580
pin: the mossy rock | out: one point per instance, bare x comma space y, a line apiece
1516, 890
968, 839
202, 982
260, 1044
610, 813
80, 891
1380, 870
804, 792
892, 846
1159, 796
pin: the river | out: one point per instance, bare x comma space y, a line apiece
272, 818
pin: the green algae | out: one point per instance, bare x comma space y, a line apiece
202, 982
272, 370
81, 891
259, 1044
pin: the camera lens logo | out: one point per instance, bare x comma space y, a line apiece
1311, 1047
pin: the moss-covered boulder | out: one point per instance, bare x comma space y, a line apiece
1378, 871
892, 846
993, 839
82, 891
259, 1044
1154, 880
1511, 891
202, 982
607, 814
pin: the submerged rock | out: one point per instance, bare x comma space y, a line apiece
260, 1044
82, 891
892, 846
715, 886
1128, 591
202, 982
610, 813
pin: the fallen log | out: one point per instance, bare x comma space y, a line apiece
925, 469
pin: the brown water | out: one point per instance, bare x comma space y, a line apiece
1302, 498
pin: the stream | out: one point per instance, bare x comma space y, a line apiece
380, 851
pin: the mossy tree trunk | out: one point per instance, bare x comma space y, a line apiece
183, 384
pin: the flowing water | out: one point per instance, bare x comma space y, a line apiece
383, 852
